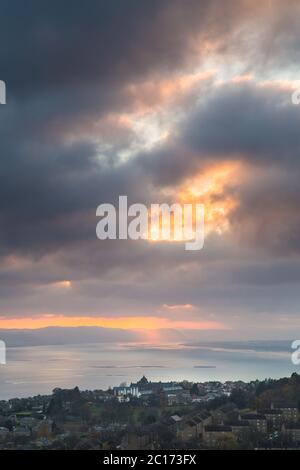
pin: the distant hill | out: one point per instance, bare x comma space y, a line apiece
61, 335
85, 334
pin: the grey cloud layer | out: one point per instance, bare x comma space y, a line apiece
57, 44
67, 67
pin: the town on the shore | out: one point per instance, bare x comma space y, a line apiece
158, 415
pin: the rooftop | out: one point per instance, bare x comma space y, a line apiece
271, 412
250, 416
293, 426
218, 428
238, 423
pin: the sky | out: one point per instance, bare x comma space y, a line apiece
162, 101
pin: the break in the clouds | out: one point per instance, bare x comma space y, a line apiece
164, 101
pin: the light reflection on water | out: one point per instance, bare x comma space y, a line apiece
39, 369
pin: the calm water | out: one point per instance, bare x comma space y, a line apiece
33, 370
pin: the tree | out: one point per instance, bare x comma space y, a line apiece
195, 390
239, 397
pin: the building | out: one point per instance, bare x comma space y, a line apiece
194, 425
126, 391
173, 423
188, 431
123, 398
203, 418
178, 397
3, 433
239, 427
213, 434
274, 418
190, 427
176, 418
289, 411
218, 416
145, 393
292, 430
147, 388
21, 432
136, 440
257, 421
169, 399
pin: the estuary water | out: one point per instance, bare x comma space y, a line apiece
39, 369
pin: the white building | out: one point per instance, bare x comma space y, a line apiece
126, 391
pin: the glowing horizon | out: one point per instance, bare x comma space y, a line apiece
130, 323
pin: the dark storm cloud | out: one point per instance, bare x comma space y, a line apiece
246, 121
268, 215
49, 194
52, 43
237, 121
65, 68
218, 291
67, 65
260, 126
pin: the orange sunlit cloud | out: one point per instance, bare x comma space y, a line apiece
148, 100
151, 95
208, 187
62, 284
178, 307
